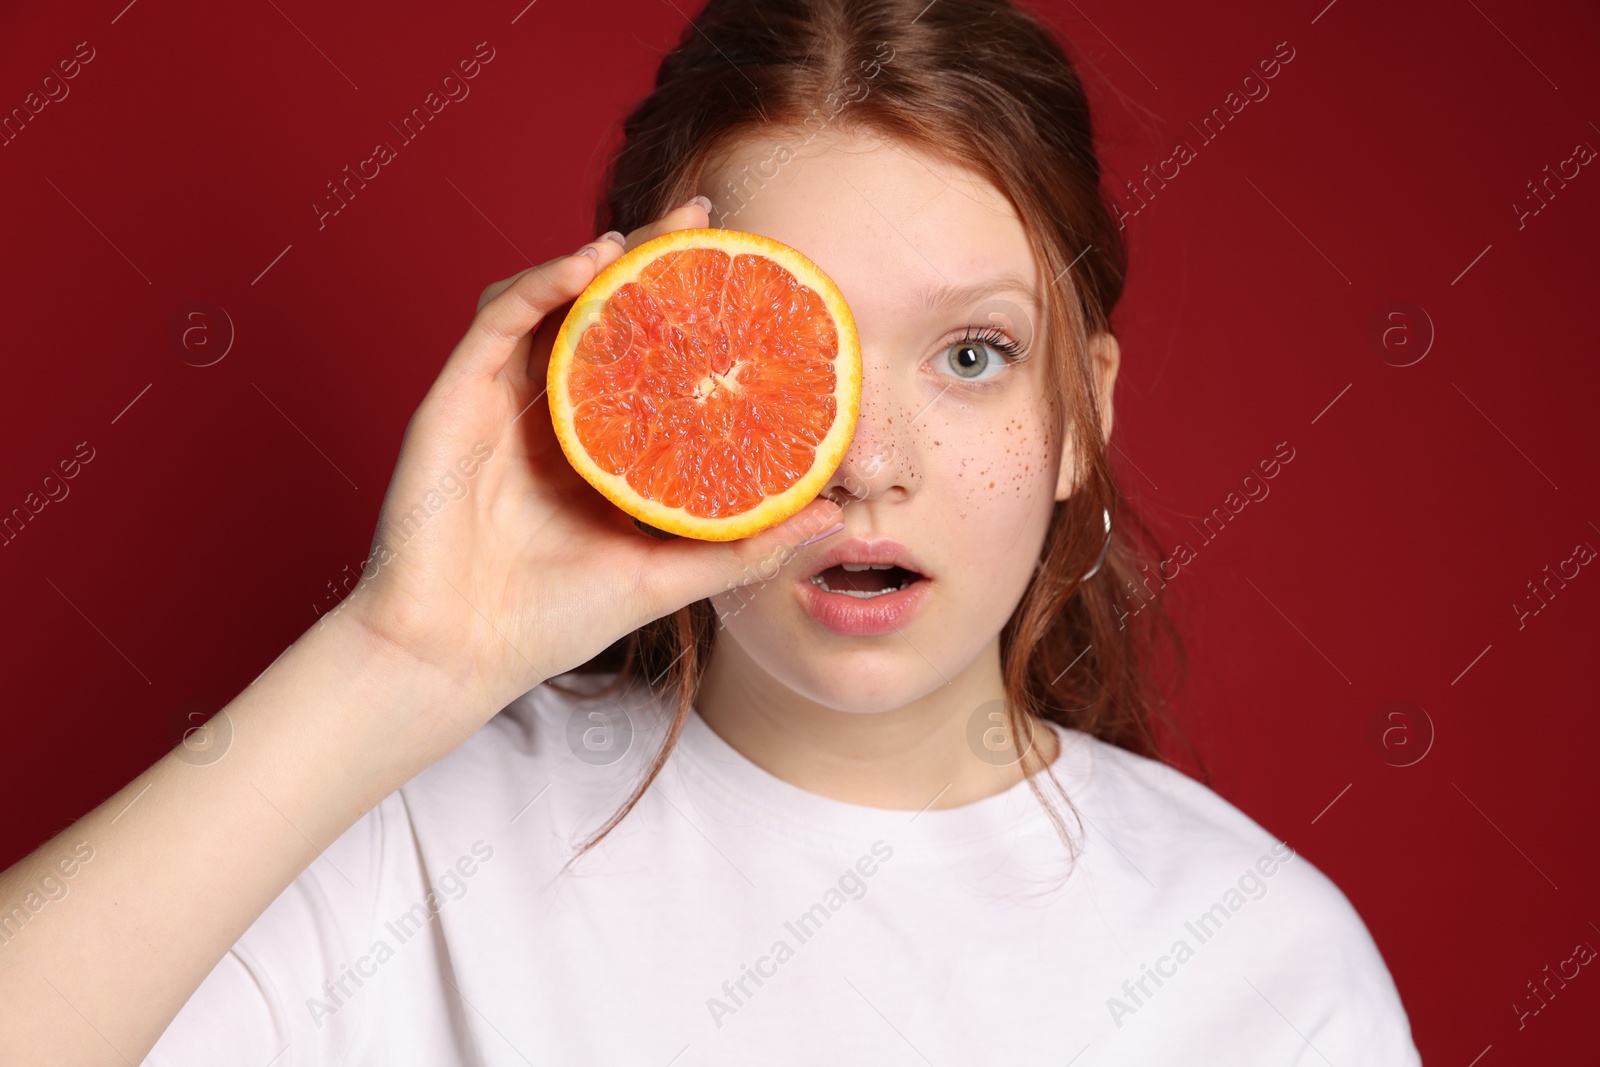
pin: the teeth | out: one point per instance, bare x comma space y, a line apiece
859, 594
867, 566
821, 583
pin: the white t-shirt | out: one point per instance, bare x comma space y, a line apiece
733, 918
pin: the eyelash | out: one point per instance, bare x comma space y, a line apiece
997, 339
1012, 350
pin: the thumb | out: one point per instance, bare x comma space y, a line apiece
784, 543
693, 570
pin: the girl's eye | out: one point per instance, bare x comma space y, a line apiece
981, 355
973, 361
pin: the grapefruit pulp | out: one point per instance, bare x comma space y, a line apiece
707, 382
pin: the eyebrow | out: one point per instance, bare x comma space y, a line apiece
940, 297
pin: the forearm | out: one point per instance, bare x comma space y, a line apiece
190, 853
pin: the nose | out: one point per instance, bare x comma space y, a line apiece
881, 460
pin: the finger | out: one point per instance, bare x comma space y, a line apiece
788, 543
685, 570
494, 289
607, 256
508, 318
694, 213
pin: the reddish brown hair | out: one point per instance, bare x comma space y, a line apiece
986, 86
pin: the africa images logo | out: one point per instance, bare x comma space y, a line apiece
1250, 885
450, 885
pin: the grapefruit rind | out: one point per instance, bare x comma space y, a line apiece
830, 451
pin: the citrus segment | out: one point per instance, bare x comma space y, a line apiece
707, 382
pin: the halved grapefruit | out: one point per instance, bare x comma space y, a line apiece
707, 382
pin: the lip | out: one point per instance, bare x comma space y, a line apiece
861, 550
853, 616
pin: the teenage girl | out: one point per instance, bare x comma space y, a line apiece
874, 786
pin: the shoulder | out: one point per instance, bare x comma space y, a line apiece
1188, 840
553, 758
1184, 825
1279, 934
589, 717
276, 986
295, 976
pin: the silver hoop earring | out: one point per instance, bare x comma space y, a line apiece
1104, 549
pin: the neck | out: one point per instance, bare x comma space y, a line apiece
910, 757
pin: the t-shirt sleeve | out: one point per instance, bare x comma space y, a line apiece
1294, 970
284, 993
1332, 985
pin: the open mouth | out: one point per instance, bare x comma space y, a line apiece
864, 580
865, 587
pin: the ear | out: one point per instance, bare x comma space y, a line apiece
1106, 356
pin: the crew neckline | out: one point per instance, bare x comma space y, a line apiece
756, 796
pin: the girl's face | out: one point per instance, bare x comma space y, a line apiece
956, 462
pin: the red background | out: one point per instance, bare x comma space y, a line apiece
1383, 565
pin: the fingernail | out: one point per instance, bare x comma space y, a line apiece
659, 535
589, 250
814, 538
613, 235
702, 201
